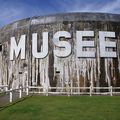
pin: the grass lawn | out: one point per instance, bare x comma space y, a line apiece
64, 108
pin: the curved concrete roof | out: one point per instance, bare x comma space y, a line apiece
74, 16
78, 16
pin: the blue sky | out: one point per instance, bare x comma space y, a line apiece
12, 10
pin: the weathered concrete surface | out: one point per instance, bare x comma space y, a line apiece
60, 72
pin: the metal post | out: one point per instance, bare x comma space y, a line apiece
20, 92
47, 91
111, 91
71, 89
6, 88
27, 90
68, 90
90, 90
39, 89
11, 95
79, 90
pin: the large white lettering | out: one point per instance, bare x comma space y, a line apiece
44, 47
62, 44
81, 44
14, 48
104, 44
62, 47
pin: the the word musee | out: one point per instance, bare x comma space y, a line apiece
65, 46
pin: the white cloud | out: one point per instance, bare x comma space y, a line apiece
78, 6
12, 12
9, 14
111, 7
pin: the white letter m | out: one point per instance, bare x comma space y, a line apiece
17, 48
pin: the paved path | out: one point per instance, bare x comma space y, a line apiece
4, 98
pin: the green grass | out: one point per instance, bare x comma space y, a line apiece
1, 94
64, 108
